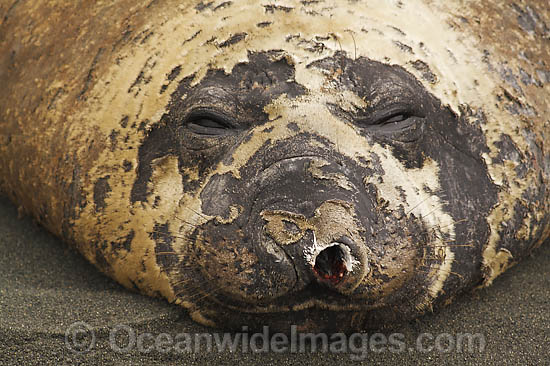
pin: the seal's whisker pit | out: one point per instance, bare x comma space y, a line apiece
316, 171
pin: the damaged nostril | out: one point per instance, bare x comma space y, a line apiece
331, 264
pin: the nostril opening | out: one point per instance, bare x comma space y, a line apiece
330, 264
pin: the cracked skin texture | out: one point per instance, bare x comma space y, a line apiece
94, 145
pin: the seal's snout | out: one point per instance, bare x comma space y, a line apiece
310, 207
331, 264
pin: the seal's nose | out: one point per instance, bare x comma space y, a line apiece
326, 248
341, 265
311, 209
331, 265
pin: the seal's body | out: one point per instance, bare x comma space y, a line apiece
332, 164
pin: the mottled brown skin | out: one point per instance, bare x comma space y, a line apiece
77, 35
336, 165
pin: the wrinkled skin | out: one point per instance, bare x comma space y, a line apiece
334, 165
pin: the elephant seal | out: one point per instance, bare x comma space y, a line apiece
336, 165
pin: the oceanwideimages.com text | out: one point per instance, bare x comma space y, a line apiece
81, 338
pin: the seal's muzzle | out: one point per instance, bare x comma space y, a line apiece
308, 209
301, 228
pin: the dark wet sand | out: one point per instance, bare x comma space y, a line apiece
45, 287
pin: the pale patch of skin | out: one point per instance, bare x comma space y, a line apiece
340, 179
165, 181
499, 262
508, 196
234, 212
418, 202
275, 226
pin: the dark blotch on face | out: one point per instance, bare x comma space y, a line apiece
101, 189
165, 254
236, 38
427, 73
127, 166
125, 243
160, 142
239, 97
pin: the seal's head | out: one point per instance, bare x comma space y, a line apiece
314, 203
325, 166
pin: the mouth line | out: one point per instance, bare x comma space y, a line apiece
314, 296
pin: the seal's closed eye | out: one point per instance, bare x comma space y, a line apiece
400, 123
206, 126
208, 123
396, 118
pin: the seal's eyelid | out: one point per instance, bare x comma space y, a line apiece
393, 113
206, 127
210, 114
394, 118
399, 121
206, 122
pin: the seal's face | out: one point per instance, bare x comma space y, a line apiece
294, 187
